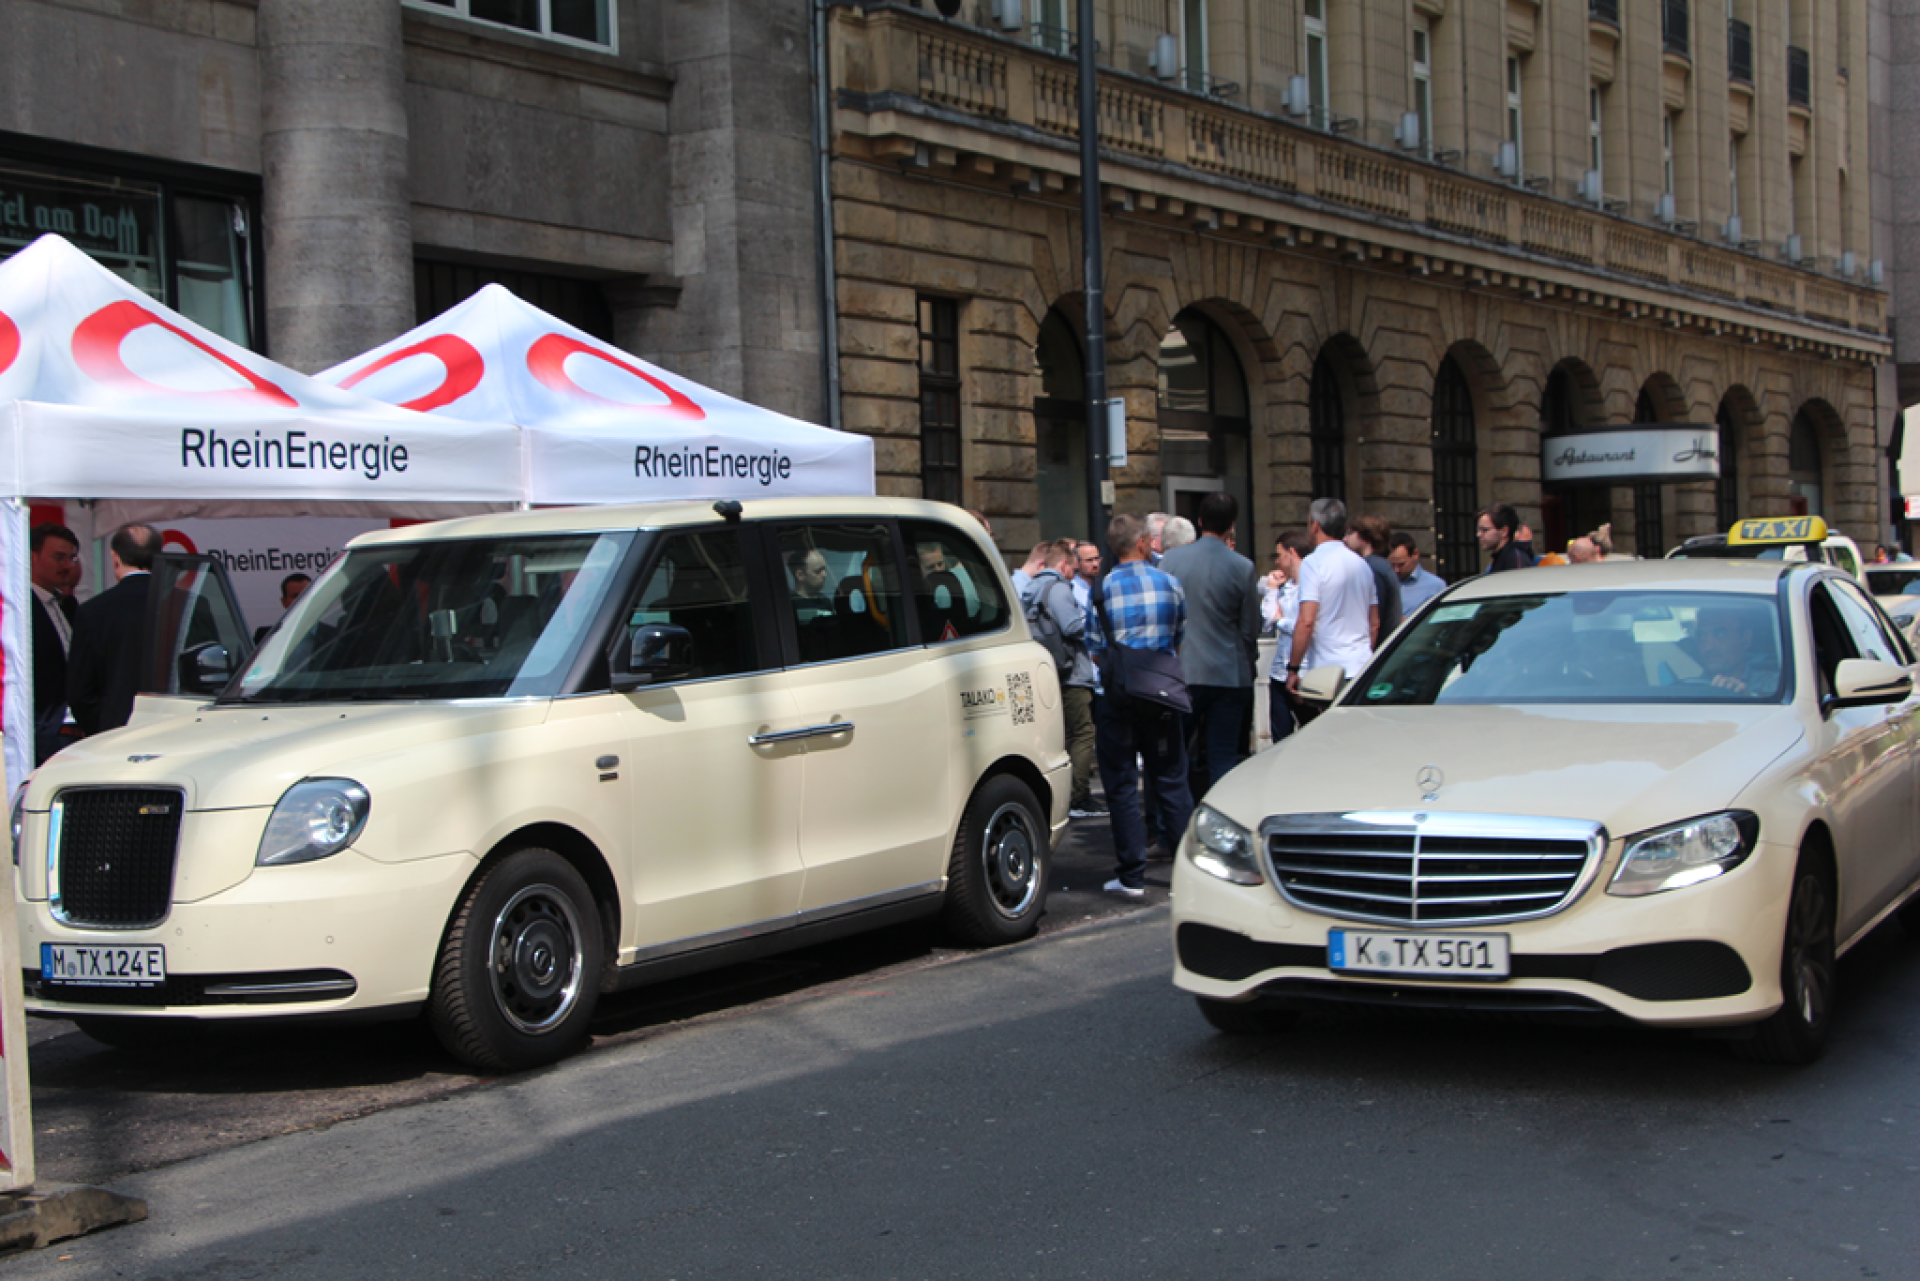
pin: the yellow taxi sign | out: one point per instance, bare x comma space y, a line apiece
1778, 530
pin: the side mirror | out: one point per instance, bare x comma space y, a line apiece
1866, 682
205, 670
1322, 685
659, 652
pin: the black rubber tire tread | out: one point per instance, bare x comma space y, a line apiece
970, 914
1788, 1036
460, 1008
1246, 1018
129, 1033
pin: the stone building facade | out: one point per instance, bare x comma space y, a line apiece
1391, 249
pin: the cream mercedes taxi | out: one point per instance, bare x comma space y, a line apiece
1670, 791
495, 767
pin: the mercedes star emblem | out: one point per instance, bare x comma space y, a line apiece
1429, 779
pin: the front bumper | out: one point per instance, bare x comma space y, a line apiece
1704, 956
342, 934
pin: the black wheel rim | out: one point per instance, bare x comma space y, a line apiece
536, 959
1010, 858
1809, 968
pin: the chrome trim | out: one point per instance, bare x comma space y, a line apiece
1418, 826
773, 925
314, 987
795, 735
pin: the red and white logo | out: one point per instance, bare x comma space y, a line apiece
461, 364
98, 343
547, 361
9, 341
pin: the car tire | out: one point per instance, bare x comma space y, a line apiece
997, 876
1246, 1018
1796, 1033
519, 969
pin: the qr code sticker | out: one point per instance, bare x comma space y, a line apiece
1020, 694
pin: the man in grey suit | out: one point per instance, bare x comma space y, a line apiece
1222, 636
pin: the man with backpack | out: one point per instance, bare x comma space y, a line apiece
1058, 621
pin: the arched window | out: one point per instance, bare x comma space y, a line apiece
1060, 430
1456, 474
1205, 431
1804, 471
1726, 492
1567, 511
1649, 521
1327, 432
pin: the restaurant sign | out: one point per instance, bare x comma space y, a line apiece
1645, 452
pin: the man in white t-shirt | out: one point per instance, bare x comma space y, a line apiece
1339, 611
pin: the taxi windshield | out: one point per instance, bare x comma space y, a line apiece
475, 618
1586, 647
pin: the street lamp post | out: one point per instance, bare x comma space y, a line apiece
1092, 272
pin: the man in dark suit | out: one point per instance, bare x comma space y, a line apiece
55, 572
1222, 636
103, 667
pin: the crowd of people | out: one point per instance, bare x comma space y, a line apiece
1160, 655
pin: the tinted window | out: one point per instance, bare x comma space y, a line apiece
1870, 636
956, 589
842, 588
699, 582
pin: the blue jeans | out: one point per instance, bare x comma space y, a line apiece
1221, 717
1153, 734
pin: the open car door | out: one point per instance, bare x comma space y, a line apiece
194, 638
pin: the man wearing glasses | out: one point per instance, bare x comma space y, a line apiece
1498, 530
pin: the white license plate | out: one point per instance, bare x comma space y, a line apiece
98, 965
1468, 956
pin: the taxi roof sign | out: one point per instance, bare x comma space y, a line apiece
1778, 530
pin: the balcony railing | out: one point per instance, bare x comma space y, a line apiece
1607, 11
1739, 51
1006, 84
1799, 78
1676, 28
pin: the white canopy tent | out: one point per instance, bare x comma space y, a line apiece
106, 394
602, 425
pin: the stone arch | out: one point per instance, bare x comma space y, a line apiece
1205, 400
1059, 421
1660, 400
1572, 400
1343, 395
1816, 459
1740, 424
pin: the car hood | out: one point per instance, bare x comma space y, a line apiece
1627, 768
241, 756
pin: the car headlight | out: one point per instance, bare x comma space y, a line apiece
19, 808
1688, 853
1224, 848
317, 817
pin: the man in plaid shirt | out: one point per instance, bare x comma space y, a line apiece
1145, 610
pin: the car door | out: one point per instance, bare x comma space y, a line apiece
1866, 757
717, 784
193, 637
872, 711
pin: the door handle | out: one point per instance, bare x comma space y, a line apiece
772, 737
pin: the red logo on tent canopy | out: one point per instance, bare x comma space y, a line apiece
547, 361
96, 349
9, 341
463, 363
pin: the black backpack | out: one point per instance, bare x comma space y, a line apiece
1041, 623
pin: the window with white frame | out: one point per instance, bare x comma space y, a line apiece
1666, 153
1596, 138
1315, 16
585, 21
1514, 133
1193, 41
1423, 84
1733, 176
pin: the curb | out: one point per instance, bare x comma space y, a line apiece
34, 1220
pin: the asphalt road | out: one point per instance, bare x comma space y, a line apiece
101, 1114
1056, 1109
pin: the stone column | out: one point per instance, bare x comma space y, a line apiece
333, 148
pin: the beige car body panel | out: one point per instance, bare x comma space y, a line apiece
706, 836
1629, 768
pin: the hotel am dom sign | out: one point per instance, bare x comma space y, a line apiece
1639, 454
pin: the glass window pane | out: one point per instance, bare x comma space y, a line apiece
860, 611
956, 591
524, 14
210, 273
582, 20
700, 583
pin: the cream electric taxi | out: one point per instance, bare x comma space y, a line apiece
495, 767
1673, 791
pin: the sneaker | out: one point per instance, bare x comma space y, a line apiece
1088, 809
1124, 891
